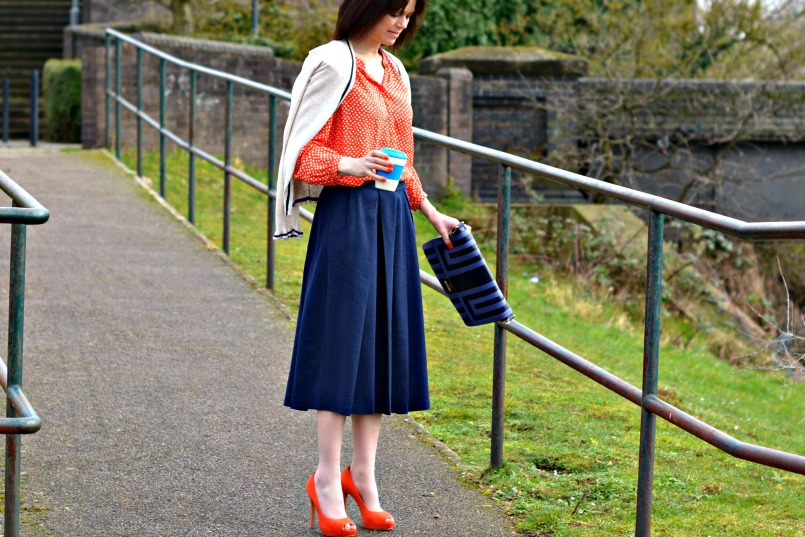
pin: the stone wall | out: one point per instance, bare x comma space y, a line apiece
741, 135
508, 116
702, 109
734, 147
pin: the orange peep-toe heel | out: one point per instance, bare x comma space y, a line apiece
371, 520
331, 527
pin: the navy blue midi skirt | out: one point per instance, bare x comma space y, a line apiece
360, 335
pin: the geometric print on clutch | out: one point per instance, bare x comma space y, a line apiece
466, 279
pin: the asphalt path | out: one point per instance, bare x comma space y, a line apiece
159, 372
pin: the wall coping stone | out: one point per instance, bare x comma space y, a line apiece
98, 29
208, 45
518, 61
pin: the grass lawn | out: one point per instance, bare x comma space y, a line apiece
571, 446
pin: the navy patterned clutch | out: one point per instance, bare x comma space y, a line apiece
466, 279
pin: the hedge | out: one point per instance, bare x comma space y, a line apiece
62, 96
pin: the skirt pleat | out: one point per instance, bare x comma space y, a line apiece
359, 346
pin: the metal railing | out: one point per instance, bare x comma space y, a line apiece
646, 398
5, 109
20, 418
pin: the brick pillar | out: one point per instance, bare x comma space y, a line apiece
459, 123
429, 100
93, 87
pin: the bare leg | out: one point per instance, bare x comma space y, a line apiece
328, 474
365, 435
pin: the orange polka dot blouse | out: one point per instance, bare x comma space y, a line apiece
373, 115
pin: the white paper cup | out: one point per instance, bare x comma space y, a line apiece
397, 159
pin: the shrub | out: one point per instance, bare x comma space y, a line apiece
62, 96
290, 31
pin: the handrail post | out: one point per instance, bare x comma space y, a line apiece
227, 164
34, 134
191, 172
16, 303
651, 358
139, 111
6, 108
255, 17
117, 98
162, 171
75, 13
272, 149
108, 85
502, 276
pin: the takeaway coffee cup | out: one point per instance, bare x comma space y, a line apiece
397, 159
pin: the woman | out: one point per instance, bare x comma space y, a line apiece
359, 349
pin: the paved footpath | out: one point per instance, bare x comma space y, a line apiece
159, 373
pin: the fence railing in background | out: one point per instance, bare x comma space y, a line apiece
20, 416
188, 145
647, 398
6, 110
5, 113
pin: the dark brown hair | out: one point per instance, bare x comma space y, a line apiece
357, 17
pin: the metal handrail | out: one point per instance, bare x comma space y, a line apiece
21, 418
658, 207
276, 92
5, 109
26, 210
694, 215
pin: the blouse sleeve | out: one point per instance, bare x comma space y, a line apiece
416, 195
318, 162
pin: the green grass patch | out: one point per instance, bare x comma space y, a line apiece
571, 446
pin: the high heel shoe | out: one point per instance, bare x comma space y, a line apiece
371, 520
331, 527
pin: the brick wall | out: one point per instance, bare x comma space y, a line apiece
750, 174
761, 111
507, 116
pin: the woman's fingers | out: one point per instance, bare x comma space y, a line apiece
366, 166
376, 160
446, 225
381, 159
446, 239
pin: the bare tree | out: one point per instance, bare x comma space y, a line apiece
182, 12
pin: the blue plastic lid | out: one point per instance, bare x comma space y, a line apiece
394, 153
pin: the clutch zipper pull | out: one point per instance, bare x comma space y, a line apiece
459, 227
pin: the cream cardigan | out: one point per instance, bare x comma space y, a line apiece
327, 76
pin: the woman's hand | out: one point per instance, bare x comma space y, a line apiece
365, 166
442, 223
